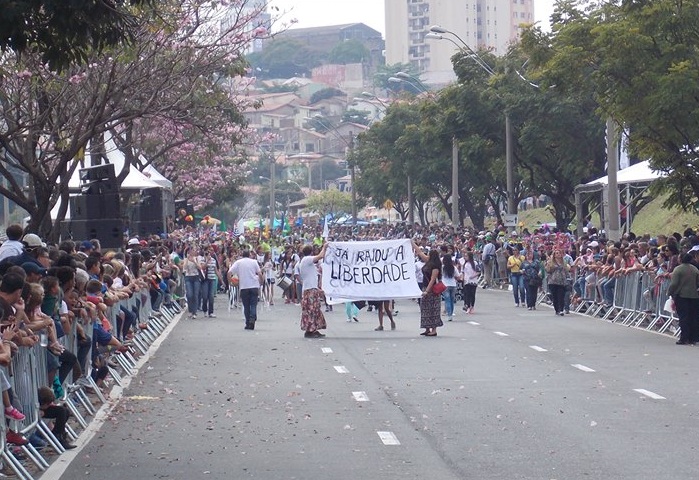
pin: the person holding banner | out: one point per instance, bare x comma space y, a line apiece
383, 306
312, 318
430, 304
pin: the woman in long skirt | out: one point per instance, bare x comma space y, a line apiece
430, 304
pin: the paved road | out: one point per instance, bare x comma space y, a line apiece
501, 394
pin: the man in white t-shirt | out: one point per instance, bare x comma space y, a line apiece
249, 280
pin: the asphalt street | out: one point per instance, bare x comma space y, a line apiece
504, 393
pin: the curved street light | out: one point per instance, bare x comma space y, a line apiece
439, 34
350, 147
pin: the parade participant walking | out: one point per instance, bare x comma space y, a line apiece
531, 272
192, 279
514, 265
556, 272
312, 318
449, 279
209, 284
383, 307
683, 290
471, 275
430, 303
250, 278
488, 259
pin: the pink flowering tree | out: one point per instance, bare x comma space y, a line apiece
175, 93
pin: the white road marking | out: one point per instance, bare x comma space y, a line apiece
360, 396
341, 369
582, 367
648, 393
537, 348
502, 334
326, 350
388, 438
473, 323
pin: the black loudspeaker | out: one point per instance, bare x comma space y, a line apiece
151, 205
144, 229
109, 231
100, 188
98, 180
91, 207
97, 173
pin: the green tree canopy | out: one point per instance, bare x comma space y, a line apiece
284, 58
64, 32
641, 61
329, 202
326, 93
349, 51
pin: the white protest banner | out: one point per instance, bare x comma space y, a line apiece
377, 270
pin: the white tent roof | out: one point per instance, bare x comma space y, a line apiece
638, 173
157, 177
134, 180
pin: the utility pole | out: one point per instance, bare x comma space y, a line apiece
454, 181
272, 200
350, 147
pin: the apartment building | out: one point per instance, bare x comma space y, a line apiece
253, 13
493, 24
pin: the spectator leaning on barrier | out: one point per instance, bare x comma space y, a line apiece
59, 413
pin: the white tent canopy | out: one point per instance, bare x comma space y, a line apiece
640, 173
157, 177
135, 180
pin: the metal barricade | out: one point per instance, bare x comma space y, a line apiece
25, 388
663, 320
639, 300
632, 299
646, 301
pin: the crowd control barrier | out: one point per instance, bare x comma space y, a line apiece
639, 300
28, 372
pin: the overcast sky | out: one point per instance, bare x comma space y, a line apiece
314, 13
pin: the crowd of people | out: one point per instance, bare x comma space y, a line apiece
556, 266
49, 292
56, 298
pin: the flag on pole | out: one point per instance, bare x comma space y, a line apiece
326, 230
239, 228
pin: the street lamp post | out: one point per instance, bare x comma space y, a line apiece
455, 220
436, 33
272, 200
350, 146
454, 182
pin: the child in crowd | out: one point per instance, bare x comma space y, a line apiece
59, 413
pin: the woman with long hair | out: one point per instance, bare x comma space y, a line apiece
192, 278
269, 270
556, 271
471, 275
430, 303
531, 273
514, 265
449, 279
